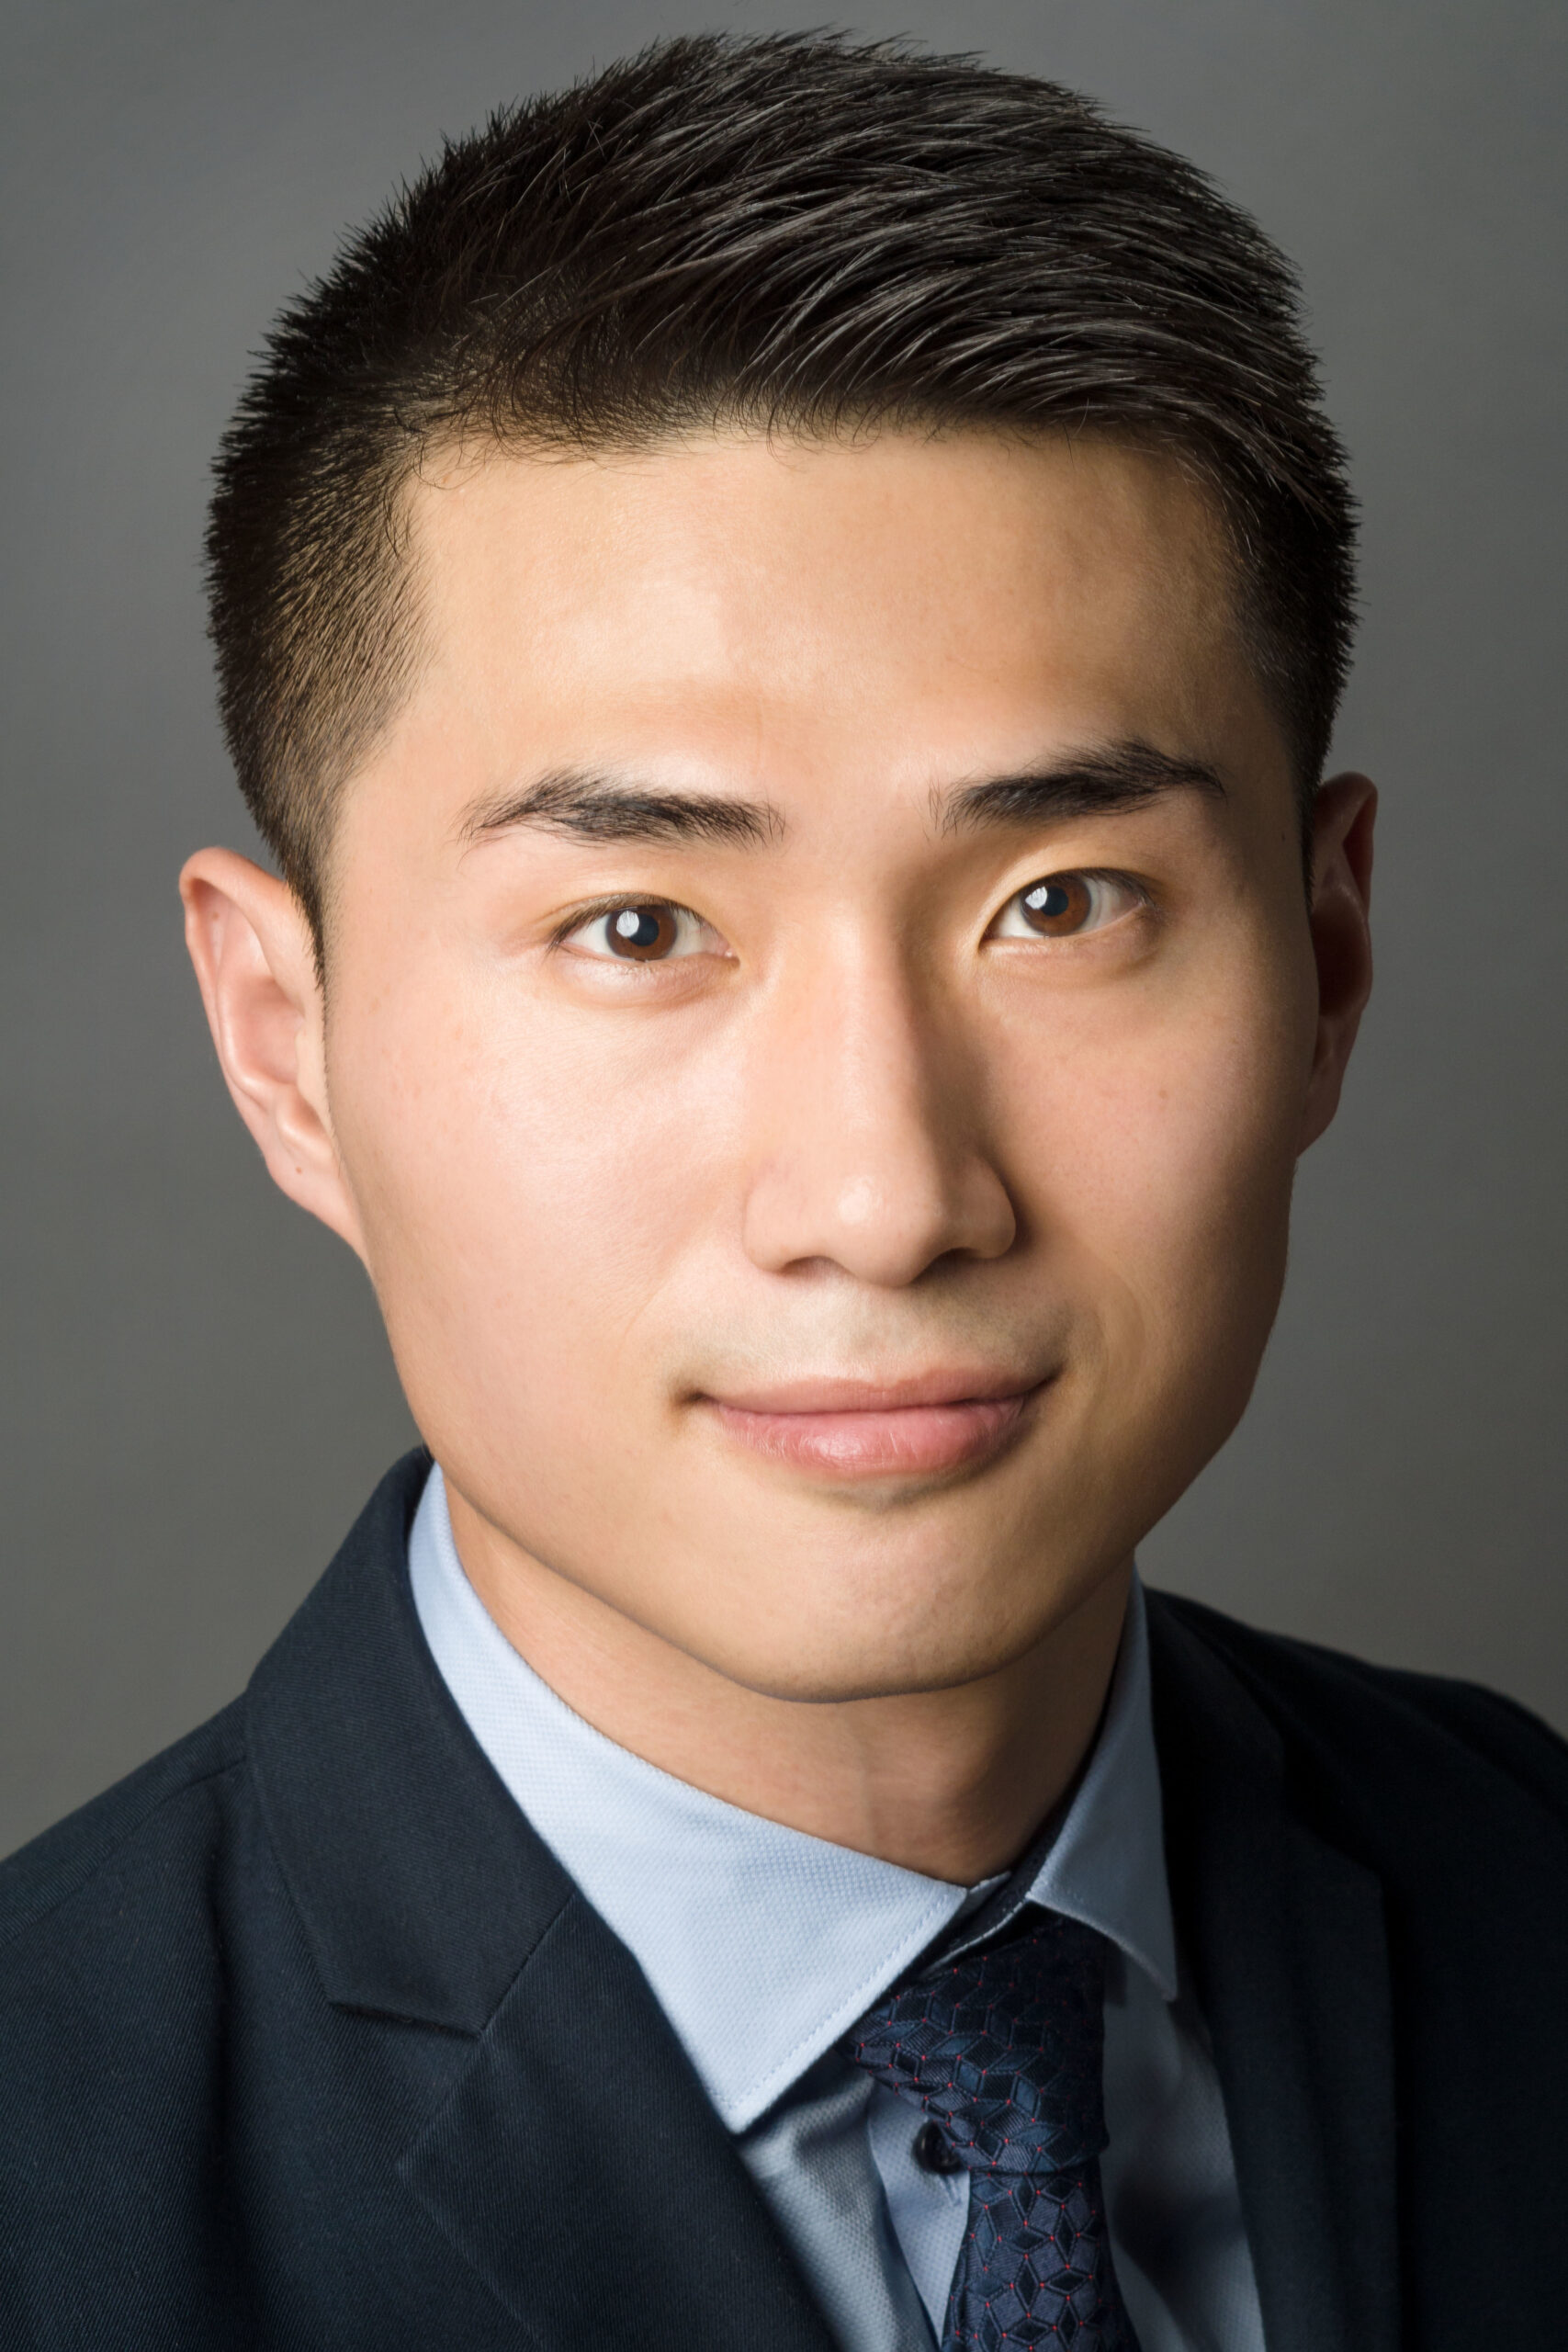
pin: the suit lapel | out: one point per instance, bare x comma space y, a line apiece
571, 2158
1286, 1938
580, 2168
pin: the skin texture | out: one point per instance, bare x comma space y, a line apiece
866, 1129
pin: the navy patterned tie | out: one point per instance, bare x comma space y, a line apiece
1001, 2049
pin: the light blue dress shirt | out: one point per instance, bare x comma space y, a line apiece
763, 1946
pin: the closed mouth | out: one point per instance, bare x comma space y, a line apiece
928, 1425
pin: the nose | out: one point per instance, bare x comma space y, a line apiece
868, 1155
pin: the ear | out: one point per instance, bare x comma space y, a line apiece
1343, 819
254, 957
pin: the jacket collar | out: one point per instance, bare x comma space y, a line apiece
421, 1888
573, 2122
1286, 1936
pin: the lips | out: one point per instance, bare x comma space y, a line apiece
930, 1425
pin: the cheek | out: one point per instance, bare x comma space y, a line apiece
1160, 1184
524, 1192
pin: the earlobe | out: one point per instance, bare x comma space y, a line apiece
249, 942
1344, 818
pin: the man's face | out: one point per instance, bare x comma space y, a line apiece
824, 1207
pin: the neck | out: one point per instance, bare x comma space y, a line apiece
951, 1784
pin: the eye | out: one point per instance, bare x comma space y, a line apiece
1064, 906
642, 931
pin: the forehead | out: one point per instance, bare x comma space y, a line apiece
745, 587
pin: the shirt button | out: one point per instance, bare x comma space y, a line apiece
933, 2152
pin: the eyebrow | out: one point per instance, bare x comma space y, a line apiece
1098, 782
603, 808
596, 806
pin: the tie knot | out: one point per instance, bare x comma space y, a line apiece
1002, 2047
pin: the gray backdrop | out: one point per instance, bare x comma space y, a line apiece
197, 1393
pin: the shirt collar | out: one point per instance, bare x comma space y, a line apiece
1106, 1863
762, 1944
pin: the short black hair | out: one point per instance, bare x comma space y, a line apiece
787, 232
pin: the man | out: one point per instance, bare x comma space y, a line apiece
781, 614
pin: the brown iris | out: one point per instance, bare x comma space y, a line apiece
642, 935
1057, 906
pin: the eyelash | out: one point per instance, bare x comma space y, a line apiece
583, 918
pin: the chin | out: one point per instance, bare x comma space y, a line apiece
883, 1652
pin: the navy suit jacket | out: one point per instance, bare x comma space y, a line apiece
308, 2043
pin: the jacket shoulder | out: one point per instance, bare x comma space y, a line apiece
1384, 1715
163, 1804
